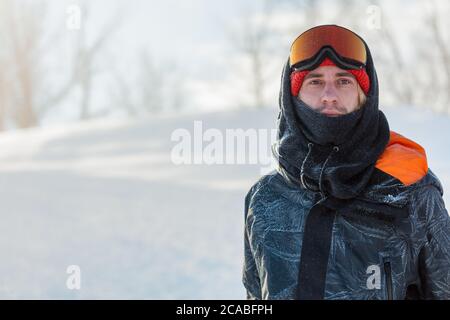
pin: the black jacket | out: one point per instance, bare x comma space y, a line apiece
372, 255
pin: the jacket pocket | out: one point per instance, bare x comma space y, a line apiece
388, 279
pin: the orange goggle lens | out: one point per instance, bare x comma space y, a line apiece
346, 43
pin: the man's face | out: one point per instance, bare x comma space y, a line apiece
330, 90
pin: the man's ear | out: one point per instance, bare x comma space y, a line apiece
361, 96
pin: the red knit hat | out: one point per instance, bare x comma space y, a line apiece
298, 76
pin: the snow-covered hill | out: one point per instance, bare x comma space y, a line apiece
105, 195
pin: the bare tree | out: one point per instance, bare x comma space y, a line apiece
250, 38
23, 29
390, 57
85, 57
121, 94
430, 76
174, 87
4, 72
254, 40
150, 84
3, 93
154, 89
23, 73
24, 96
160, 85
443, 48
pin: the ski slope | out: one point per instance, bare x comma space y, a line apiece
104, 195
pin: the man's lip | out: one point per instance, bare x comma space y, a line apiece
331, 113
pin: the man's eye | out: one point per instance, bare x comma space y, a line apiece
344, 81
314, 82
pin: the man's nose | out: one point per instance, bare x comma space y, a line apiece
329, 94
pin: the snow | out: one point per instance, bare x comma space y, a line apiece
105, 195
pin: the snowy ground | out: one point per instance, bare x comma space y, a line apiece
104, 195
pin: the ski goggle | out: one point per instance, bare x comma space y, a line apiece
343, 46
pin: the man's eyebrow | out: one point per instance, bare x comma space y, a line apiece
344, 74
313, 75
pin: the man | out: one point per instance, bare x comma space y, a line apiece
352, 211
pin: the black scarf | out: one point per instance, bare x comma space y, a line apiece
333, 155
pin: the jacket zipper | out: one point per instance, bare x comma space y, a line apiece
388, 273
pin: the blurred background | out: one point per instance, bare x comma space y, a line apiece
91, 93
